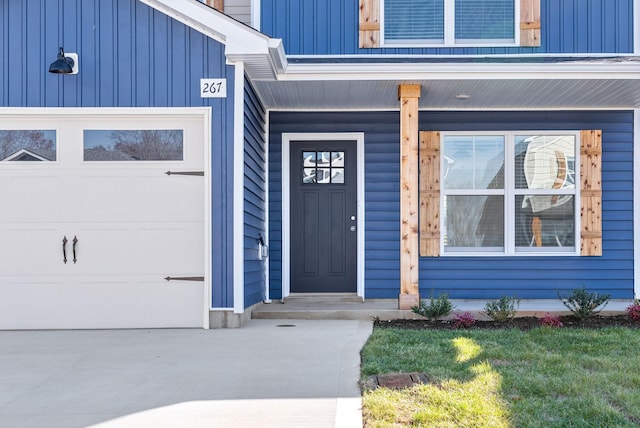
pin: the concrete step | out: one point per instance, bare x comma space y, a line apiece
323, 298
336, 307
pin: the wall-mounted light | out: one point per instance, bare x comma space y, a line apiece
65, 63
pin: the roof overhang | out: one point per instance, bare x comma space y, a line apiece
489, 84
448, 83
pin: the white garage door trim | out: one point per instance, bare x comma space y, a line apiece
199, 114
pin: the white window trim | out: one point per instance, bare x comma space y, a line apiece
510, 192
449, 32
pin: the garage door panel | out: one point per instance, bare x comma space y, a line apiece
141, 248
30, 197
106, 304
29, 249
145, 198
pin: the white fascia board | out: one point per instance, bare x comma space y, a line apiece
239, 38
238, 190
460, 71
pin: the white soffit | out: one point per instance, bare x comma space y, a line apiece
441, 94
599, 83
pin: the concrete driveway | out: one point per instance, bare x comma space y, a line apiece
269, 373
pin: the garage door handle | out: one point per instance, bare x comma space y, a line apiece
64, 249
75, 241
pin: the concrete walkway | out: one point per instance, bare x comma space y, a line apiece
269, 373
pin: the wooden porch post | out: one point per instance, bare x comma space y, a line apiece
409, 196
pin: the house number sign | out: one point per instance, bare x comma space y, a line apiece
213, 88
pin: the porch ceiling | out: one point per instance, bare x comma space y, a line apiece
439, 94
592, 84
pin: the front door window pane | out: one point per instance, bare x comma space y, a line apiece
309, 175
337, 159
337, 175
323, 175
309, 159
28, 145
133, 145
324, 159
474, 222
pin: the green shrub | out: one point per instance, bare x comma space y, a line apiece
503, 309
436, 308
584, 304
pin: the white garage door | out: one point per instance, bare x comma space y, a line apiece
91, 223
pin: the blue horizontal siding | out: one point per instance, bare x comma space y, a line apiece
254, 196
129, 56
471, 277
330, 27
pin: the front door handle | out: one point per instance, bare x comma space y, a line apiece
75, 241
64, 249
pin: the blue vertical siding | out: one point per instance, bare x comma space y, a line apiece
254, 196
330, 27
130, 56
471, 277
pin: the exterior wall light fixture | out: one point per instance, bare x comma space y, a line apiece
65, 63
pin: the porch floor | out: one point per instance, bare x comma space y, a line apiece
351, 307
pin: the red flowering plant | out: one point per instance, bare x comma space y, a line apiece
463, 320
551, 321
633, 310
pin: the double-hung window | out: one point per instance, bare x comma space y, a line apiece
449, 22
509, 193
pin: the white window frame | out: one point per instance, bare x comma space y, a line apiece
510, 193
450, 31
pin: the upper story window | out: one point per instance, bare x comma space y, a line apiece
449, 22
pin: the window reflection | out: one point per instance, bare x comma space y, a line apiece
545, 162
133, 145
320, 167
28, 145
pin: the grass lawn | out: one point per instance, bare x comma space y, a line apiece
544, 377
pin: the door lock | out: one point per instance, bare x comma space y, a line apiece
352, 228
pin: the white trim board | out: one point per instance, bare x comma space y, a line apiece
238, 189
356, 137
267, 263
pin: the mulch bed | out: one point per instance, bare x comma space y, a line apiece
522, 323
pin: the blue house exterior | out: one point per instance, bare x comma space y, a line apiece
347, 153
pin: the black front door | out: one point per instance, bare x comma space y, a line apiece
323, 216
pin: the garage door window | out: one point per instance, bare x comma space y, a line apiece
134, 145
33, 145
